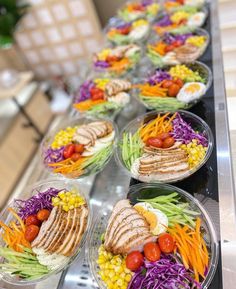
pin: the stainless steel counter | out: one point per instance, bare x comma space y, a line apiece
112, 183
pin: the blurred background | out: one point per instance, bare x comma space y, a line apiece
45, 47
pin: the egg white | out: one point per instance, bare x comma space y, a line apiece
186, 96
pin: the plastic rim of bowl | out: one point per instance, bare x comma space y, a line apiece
191, 104
202, 123
92, 245
210, 225
83, 119
32, 189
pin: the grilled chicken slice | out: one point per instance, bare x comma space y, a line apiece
46, 226
117, 85
63, 235
125, 226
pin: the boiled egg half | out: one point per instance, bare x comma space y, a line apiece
157, 220
191, 91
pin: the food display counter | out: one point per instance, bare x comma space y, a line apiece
212, 185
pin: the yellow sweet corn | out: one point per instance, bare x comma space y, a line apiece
140, 22
63, 137
196, 40
68, 200
179, 15
196, 152
113, 270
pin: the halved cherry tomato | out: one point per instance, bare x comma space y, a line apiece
177, 43
43, 214
112, 58
180, 2
152, 251
169, 48
134, 260
163, 135
75, 157
96, 93
179, 82
154, 142
124, 30
79, 148
168, 142
173, 90
31, 232
32, 220
68, 151
166, 243
166, 83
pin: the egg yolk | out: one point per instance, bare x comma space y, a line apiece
192, 88
150, 217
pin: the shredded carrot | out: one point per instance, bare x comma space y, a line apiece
87, 104
192, 248
159, 47
13, 234
120, 65
152, 90
156, 126
70, 167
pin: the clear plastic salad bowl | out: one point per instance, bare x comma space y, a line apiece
193, 120
172, 103
94, 167
153, 39
150, 191
28, 192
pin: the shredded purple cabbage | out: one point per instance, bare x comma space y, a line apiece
182, 131
53, 155
170, 38
83, 93
158, 76
102, 64
165, 21
146, 2
42, 200
166, 273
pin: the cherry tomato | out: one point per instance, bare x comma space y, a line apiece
138, 7
134, 260
163, 135
177, 43
168, 142
152, 251
75, 157
169, 48
166, 243
43, 214
68, 151
79, 148
179, 82
32, 220
96, 93
112, 58
154, 142
31, 232
180, 2
167, 83
173, 90
125, 30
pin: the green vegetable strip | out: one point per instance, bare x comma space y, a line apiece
24, 264
175, 210
131, 148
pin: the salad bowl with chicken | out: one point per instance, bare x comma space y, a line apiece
173, 49
158, 237
101, 96
79, 147
42, 233
164, 147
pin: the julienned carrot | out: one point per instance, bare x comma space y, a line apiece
120, 65
71, 167
159, 47
156, 126
87, 104
152, 90
192, 248
13, 234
